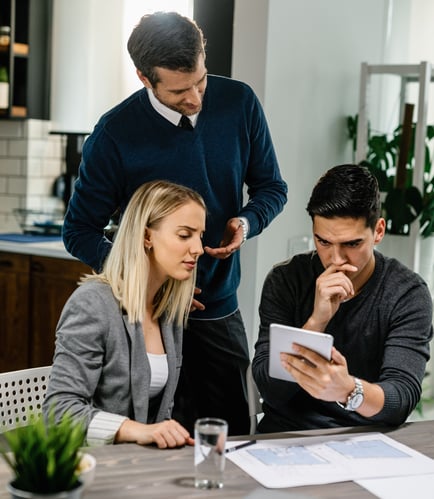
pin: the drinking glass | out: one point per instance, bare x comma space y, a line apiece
209, 452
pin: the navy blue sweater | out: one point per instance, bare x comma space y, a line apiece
229, 147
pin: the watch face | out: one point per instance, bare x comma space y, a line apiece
356, 401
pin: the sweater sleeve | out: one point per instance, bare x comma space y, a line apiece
94, 200
103, 428
266, 189
406, 352
275, 307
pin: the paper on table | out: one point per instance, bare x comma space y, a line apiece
318, 460
401, 487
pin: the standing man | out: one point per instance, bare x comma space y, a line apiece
210, 134
378, 311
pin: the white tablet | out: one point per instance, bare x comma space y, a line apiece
281, 340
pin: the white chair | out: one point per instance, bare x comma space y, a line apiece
254, 400
21, 396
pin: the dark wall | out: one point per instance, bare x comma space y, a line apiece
215, 18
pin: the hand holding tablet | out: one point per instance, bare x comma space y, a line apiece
281, 340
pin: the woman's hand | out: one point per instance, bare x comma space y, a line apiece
196, 304
166, 434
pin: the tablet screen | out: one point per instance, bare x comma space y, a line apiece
281, 340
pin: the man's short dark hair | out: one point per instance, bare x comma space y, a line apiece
166, 40
346, 191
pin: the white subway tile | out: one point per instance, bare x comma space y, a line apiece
39, 186
37, 129
17, 185
52, 204
9, 203
18, 148
52, 149
51, 167
38, 148
3, 147
30, 160
8, 223
10, 166
34, 202
33, 167
57, 145
11, 129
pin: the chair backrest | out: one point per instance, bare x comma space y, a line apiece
21, 395
254, 400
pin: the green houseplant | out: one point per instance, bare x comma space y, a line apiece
390, 157
44, 458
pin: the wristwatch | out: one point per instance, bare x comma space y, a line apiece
244, 224
355, 398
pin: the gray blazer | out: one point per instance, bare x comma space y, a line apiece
100, 370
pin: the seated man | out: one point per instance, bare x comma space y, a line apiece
378, 311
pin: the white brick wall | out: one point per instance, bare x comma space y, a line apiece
30, 160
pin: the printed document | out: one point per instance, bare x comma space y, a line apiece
317, 460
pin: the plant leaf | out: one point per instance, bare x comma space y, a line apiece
45, 454
403, 206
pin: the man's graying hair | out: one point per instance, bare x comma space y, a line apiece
346, 191
166, 40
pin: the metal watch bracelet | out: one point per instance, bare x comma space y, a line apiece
244, 224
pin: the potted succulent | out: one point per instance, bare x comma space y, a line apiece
391, 159
44, 458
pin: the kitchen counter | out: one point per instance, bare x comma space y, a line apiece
54, 249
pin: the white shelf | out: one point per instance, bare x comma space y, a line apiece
423, 74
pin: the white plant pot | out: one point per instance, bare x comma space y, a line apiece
75, 493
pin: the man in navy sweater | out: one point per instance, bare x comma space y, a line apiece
222, 146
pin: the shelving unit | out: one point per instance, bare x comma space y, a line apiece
423, 74
27, 58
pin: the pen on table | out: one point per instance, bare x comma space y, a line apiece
240, 446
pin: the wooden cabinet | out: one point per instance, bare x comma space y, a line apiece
33, 291
52, 280
26, 57
14, 307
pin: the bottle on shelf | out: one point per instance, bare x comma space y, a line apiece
5, 37
4, 88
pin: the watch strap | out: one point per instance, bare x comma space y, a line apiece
355, 398
244, 224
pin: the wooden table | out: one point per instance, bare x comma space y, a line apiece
130, 471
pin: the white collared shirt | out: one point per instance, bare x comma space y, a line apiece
166, 112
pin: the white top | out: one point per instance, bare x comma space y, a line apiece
159, 373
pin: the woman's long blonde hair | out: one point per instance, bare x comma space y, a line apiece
126, 268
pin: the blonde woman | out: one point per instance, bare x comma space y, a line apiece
119, 338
